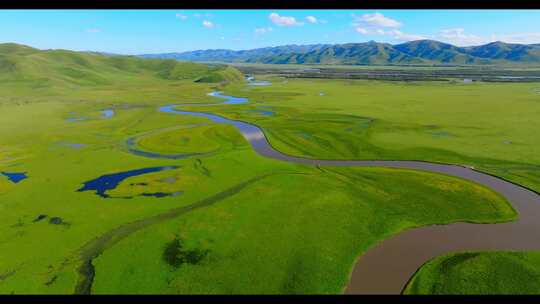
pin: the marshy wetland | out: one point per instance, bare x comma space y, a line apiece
226, 199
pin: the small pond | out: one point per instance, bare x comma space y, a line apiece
15, 177
107, 113
108, 182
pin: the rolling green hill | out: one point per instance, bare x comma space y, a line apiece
42, 68
413, 52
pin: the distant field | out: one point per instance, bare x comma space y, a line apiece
469, 67
485, 125
450, 73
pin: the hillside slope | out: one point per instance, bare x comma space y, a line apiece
26, 65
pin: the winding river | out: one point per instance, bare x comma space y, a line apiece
387, 266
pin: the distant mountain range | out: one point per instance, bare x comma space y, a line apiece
427, 52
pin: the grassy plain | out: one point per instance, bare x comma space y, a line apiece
485, 125
479, 273
291, 229
241, 231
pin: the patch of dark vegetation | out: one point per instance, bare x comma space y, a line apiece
87, 273
56, 220
162, 194
138, 184
18, 224
6, 275
175, 254
201, 168
39, 218
51, 281
297, 271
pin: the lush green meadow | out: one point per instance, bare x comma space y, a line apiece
242, 223
276, 222
489, 126
479, 273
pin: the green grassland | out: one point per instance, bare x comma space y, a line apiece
485, 125
292, 232
478, 273
242, 223
190, 139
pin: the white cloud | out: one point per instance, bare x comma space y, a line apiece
398, 35
377, 20
362, 30
378, 24
197, 15
263, 30
284, 20
459, 37
311, 19
93, 30
208, 24
181, 16
524, 38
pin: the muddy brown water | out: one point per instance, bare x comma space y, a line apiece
386, 267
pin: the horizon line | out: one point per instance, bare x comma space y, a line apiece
274, 46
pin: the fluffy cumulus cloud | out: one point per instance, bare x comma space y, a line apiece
377, 20
263, 30
208, 24
311, 19
379, 24
284, 20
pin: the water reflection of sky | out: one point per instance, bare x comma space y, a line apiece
107, 113
253, 135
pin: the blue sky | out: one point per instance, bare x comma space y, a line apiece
157, 31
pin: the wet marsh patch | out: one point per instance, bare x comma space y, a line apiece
71, 145
159, 184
